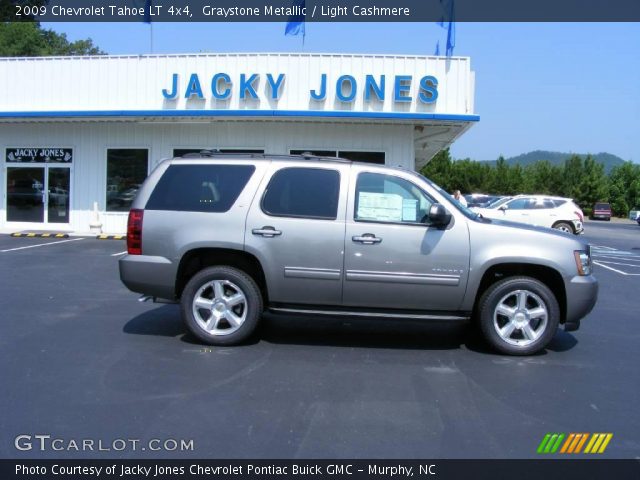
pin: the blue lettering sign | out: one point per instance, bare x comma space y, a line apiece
370, 85
323, 89
402, 85
246, 86
174, 88
275, 85
194, 87
352, 85
429, 89
226, 81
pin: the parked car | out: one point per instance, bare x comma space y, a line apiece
601, 210
481, 200
539, 210
232, 236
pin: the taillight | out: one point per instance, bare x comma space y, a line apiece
578, 213
134, 232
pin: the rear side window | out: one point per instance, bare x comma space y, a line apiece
200, 188
303, 192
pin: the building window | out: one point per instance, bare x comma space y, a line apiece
367, 157
179, 152
317, 153
303, 192
126, 170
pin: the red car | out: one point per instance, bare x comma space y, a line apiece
602, 211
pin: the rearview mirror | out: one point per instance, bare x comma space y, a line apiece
439, 216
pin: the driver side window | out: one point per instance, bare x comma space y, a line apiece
389, 199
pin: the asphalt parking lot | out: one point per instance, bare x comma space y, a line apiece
82, 359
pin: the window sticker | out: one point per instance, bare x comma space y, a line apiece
383, 207
409, 210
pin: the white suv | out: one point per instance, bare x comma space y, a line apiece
541, 210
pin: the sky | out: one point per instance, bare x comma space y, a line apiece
570, 87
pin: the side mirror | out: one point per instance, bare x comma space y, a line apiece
439, 216
503, 207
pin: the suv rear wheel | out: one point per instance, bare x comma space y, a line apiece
518, 315
221, 305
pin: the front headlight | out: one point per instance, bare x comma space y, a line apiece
583, 261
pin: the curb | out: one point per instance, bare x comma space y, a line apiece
40, 235
111, 237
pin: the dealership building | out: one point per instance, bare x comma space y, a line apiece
79, 134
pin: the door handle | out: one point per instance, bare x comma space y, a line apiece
266, 231
366, 239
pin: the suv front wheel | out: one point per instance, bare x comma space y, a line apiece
221, 305
518, 315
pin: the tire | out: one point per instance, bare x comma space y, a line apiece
508, 305
221, 305
563, 227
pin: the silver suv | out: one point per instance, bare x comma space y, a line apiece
230, 236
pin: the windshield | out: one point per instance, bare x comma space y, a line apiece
497, 203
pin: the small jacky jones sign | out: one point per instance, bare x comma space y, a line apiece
39, 155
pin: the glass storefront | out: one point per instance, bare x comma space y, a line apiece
38, 184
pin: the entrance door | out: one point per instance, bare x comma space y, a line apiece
58, 195
25, 194
29, 201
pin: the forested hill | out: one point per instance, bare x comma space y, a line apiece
558, 158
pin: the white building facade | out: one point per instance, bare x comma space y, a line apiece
80, 131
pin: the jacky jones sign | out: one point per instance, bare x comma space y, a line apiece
221, 86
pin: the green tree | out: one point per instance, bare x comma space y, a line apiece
29, 39
594, 185
624, 190
439, 169
500, 183
543, 177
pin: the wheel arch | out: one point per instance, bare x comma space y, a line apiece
566, 222
195, 260
547, 275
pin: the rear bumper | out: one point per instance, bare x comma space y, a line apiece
582, 293
154, 276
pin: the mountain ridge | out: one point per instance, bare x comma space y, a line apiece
558, 158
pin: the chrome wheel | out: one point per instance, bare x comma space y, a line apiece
520, 318
219, 307
563, 227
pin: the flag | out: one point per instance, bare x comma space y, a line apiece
447, 20
451, 39
146, 4
437, 52
147, 11
295, 25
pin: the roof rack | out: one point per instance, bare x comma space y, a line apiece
205, 154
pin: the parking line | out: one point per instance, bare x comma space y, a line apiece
40, 245
615, 270
608, 262
118, 254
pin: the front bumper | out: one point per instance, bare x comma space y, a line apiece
582, 293
578, 227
